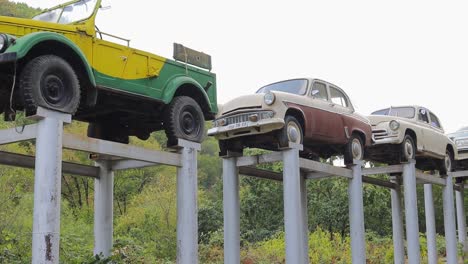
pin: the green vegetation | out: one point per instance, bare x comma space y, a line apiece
145, 210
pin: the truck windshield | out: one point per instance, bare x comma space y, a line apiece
298, 86
68, 14
406, 112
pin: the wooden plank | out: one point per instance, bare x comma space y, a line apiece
25, 161
383, 170
120, 150
379, 182
18, 134
427, 178
259, 173
458, 174
315, 166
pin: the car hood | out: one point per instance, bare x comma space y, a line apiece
242, 102
377, 119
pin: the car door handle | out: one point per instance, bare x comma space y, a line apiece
124, 58
332, 105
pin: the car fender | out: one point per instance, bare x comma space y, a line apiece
23, 45
173, 85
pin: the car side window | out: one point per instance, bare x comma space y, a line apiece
422, 115
319, 91
337, 97
434, 120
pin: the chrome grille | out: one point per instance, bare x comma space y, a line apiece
237, 118
379, 134
242, 117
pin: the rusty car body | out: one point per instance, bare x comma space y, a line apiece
313, 112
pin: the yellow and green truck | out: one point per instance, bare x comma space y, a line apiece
60, 60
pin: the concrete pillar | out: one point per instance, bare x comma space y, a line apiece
47, 186
356, 215
231, 206
449, 221
187, 215
430, 225
461, 216
411, 212
296, 246
397, 223
103, 209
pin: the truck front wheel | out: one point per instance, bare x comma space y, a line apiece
50, 82
183, 118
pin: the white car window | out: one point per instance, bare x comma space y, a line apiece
337, 97
319, 91
434, 120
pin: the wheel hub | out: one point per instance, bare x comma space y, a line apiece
53, 90
356, 149
409, 152
188, 122
293, 133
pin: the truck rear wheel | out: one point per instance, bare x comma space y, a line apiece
50, 82
183, 118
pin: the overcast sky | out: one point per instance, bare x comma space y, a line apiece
381, 53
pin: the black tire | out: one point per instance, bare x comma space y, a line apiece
291, 132
183, 118
446, 165
50, 82
407, 149
354, 149
107, 132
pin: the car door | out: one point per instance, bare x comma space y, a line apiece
317, 112
425, 129
437, 141
341, 108
109, 61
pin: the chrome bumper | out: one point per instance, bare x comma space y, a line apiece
246, 128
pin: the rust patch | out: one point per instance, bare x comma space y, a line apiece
48, 247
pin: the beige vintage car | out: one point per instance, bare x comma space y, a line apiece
411, 132
312, 112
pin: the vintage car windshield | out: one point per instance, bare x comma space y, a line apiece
406, 112
68, 14
298, 86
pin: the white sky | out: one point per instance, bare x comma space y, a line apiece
381, 53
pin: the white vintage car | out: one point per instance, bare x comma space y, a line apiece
411, 132
460, 137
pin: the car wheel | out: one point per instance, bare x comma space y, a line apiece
354, 149
50, 82
291, 132
407, 149
184, 119
107, 132
446, 164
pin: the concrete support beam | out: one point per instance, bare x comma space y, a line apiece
103, 210
187, 216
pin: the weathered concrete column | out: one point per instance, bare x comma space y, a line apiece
187, 215
411, 212
231, 204
430, 225
296, 245
103, 209
449, 221
397, 223
47, 185
356, 214
461, 216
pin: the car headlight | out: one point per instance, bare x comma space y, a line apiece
3, 42
462, 142
269, 98
394, 125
